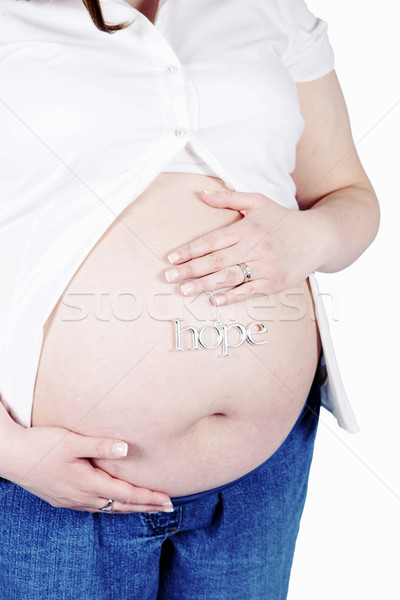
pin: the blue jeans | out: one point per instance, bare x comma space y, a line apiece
234, 544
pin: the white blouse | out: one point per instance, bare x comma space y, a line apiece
89, 119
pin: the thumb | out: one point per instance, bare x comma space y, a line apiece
96, 447
241, 201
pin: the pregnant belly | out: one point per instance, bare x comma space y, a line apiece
193, 419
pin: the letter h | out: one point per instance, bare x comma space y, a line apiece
179, 331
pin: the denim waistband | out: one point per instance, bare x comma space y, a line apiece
312, 398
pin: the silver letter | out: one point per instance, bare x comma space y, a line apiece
249, 333
217, 329
225, 344
179, 331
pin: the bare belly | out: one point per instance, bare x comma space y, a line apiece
193, 419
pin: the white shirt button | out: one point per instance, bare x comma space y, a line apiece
181, 132
172, 68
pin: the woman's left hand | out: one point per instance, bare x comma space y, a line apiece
279, 245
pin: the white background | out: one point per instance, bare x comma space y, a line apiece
349, 540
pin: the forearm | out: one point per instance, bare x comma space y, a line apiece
343, 224
9, 432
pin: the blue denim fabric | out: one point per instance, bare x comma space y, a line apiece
234, 544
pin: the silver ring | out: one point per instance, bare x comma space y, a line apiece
246, 271
108, 506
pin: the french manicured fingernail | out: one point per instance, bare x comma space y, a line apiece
219, 300
171, 275
173, 257
166, 504
168, 510
209, 192
187, 288
120, 449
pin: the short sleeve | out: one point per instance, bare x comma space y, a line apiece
309, 54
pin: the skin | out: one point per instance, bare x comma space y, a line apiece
338, 221
148, 7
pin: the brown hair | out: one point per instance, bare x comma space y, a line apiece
94, 9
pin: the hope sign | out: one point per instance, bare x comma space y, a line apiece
222, 337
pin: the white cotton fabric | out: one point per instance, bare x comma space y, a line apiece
89, 119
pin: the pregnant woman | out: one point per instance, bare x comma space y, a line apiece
172, 175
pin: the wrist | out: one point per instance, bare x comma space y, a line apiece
322, 236
344, 223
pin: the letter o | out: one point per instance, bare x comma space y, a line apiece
219, 339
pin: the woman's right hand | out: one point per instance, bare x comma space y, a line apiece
53, 463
